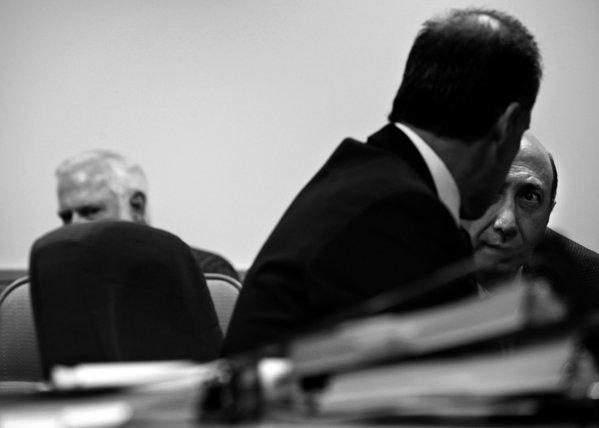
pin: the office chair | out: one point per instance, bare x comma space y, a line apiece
20, 366
119, 291
224, 291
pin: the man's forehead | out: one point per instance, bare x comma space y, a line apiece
76, 192
532, 164
79, 195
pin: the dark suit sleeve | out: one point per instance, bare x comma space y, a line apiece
399, 239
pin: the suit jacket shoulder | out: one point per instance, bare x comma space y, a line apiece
210, 262
572, 268
369, 220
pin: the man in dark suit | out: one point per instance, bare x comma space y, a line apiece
381, 214
512, 237
103, 185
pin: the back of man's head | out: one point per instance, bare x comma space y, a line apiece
464, 69
101, 185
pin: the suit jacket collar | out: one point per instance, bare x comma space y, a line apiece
392, 139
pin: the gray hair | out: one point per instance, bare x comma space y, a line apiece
122, 176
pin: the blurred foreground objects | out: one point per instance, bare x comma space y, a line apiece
515, 354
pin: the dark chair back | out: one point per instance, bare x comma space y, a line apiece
119, 291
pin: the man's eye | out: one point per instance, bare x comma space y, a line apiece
66, 217
531, 198
88, 212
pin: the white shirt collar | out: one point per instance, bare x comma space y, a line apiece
447, 189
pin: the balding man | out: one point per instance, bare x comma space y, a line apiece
509, 238
103, 185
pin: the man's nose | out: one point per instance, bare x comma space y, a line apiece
505, 220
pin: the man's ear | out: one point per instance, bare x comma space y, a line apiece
137, 204
552, 206
510, 126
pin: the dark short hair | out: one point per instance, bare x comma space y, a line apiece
553, 191
463, 71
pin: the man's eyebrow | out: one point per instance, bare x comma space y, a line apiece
533, 184
531, 181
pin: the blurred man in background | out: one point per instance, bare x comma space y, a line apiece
102, 185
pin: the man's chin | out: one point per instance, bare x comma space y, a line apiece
496, 263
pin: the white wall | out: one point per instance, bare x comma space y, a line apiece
231, 106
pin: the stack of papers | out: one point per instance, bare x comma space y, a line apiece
389, 336
112, 394
468, 358
129, 375
464, 385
